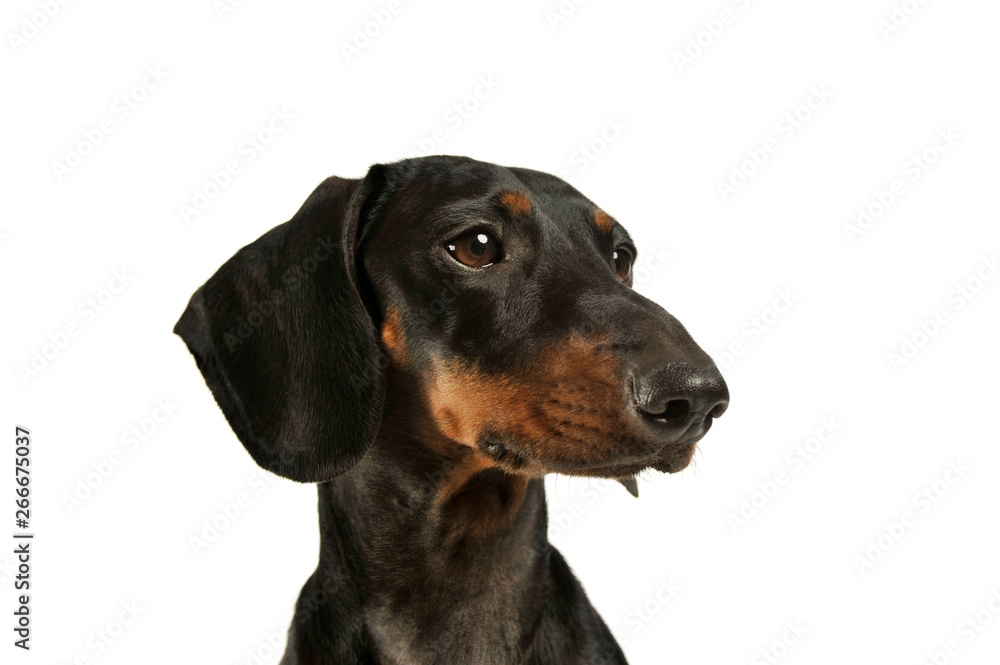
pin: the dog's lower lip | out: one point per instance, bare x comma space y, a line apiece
519, 460
684, 451
621, 470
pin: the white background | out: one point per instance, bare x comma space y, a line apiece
673, 574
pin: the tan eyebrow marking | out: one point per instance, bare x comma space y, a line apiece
392, 335
603, 221
516, 202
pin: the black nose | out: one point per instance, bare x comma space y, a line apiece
673, 398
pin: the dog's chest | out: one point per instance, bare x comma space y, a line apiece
437, 632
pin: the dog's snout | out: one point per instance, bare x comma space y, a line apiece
672, 397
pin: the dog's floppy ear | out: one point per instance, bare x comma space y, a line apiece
286, 344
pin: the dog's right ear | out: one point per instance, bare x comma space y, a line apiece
286, 344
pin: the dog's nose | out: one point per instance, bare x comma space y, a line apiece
672, 397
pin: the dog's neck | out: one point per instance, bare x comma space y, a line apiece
439, 546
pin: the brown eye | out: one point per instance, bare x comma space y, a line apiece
476, 249
621, 261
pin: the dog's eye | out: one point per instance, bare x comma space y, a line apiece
476, 249
621, 261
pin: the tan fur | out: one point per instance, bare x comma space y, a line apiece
392, 336
516, 202
603, 221
565, 406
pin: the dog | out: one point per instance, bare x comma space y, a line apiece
426, 343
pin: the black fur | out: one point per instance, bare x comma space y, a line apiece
287, 337
281, 345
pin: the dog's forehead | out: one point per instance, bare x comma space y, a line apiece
439, 191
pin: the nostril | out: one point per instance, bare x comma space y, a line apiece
677, 410
677, 395
673, 412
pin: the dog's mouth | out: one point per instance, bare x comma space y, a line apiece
671, 458
576, 410
619, 454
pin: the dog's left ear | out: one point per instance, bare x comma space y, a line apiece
286, 343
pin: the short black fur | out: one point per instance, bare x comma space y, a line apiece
321, 342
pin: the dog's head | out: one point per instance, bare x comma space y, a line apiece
500, 299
